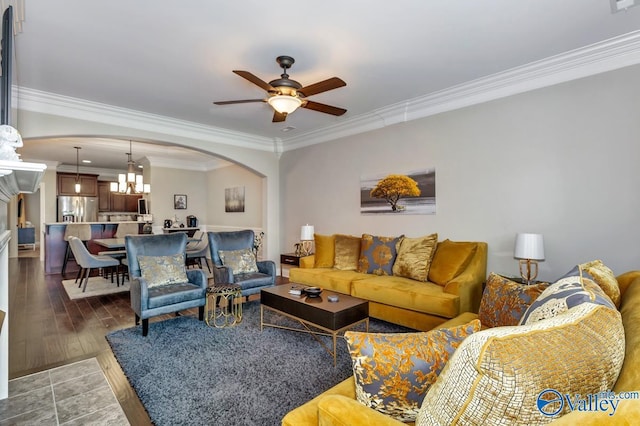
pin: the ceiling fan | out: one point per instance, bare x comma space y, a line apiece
286, 95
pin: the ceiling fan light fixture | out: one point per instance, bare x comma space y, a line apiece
284, 104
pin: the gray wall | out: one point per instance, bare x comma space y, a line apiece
561, 161
165, 183
230, 177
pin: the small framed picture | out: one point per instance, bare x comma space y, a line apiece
179, 201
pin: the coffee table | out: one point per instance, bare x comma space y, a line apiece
330, 317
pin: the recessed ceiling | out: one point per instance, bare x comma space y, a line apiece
112, 153
174, 59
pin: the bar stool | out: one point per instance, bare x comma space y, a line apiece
78, 230
126, 229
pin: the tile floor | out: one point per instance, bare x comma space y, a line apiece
74, 394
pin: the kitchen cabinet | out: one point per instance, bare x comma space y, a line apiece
125, 202
88, 184
104, 196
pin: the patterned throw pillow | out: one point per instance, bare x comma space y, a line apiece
450, 259
605, 278
414, 257
496, 375
377, 254
325, 250
159, 271
347, 253
569, 291
240, 261
393, 371
504, 301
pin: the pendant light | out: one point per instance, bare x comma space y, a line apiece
130, 182
77, 186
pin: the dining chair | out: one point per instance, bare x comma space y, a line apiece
161, 284
88, 261
198, 249
79, 230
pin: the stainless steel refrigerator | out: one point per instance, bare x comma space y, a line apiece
77, 209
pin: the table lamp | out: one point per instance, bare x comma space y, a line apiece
529, 249
306, 239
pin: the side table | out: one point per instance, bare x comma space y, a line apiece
221, 309
291, 259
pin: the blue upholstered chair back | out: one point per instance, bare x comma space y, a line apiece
152, 245
235, 240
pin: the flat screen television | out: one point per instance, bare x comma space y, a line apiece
6, 59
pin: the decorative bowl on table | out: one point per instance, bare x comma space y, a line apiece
313, 291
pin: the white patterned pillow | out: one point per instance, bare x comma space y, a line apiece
497, 375
569, 291
159, 271
240, 261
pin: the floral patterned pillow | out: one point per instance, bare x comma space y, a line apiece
393, 371
159, 271
240, 261
504, 301
377, 254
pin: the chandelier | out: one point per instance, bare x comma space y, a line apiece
131, 182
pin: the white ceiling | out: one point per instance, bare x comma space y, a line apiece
174, 58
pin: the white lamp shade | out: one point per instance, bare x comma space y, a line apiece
306, 233
77, 188
146, 188
284, 104
113, 186
529, 246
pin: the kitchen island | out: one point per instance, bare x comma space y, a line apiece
55, 246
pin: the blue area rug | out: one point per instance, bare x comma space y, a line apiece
187, 373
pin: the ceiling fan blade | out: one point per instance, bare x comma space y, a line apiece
322, 86
327, 109
278, 117
242, 101
255, 80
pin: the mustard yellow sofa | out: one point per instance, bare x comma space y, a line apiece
338, 405
404, 301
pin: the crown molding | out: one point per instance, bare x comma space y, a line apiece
66, 106
187, 165
608, 55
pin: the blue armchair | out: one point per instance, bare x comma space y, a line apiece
147, 301
250, 283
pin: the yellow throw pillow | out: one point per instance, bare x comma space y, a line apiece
414, 257
325, 250
605, 278
347, 253
450, 259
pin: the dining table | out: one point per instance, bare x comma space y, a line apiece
118, 243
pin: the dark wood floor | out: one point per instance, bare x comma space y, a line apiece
47, 329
